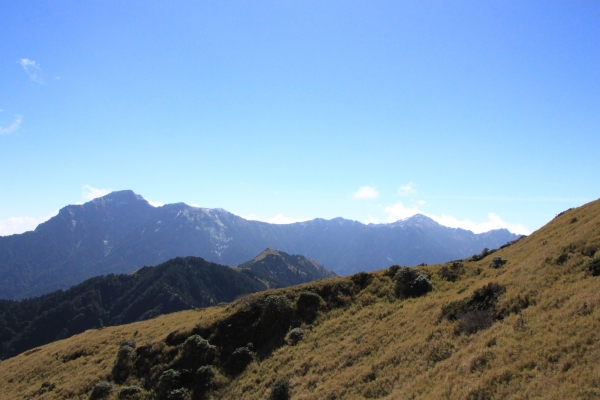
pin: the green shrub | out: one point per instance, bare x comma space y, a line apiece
476, 312
361, 279
497, 262
123, 363
130, 393
294, 336
453, 272
205, 376
239, 360
561, 259
391, 272
484, 253
276, 317
594, 267
177, 394
197, 350
307, 305
411, 282
280, 390
168, 381
101, 390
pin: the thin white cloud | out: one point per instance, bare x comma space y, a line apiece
155, 203
32, 69
251, 217
372, 220
398, 211
90, 193
494, 222
15, 225
12, 128
407, 190
366, 192
421, 202
278, 219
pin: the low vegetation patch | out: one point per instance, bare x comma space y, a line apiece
410, 282
280, 390
498, 262
594, 267
476, 312
484, 253
452, 271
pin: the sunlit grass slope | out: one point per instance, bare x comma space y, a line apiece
544, 341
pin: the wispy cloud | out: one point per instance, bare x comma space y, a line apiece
32, 69
366, 192
399, 211
156, 203
90, 193
278, 219
15, 225
494, 222
372, 220
12, 128
407, 190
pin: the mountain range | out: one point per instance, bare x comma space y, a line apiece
121, 232
522, 322
176, 285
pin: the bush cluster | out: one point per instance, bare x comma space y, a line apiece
197, 351
101, 390
476, 312
361, 279
497, 262
411, 282
452, 272
205, 376
294, 336
484, 253
276, 317
239, 360
129, 393
307, 305
124, 361
280, 390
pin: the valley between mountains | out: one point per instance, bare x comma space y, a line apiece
522, 321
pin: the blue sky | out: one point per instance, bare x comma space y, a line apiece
479, 114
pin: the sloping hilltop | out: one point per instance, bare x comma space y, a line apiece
521, 322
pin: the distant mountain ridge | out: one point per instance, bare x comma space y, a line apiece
176, 285
121, 232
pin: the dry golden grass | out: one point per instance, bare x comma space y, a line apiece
379, 347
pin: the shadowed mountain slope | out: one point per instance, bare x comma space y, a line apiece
176, 285
280, 269
121, 232
523, 322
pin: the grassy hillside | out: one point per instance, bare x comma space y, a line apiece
529, 328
